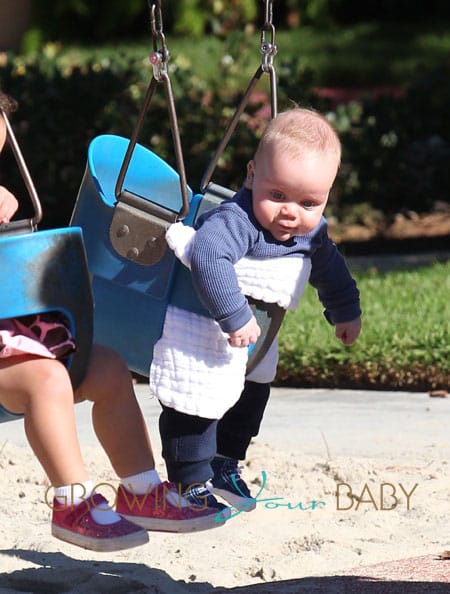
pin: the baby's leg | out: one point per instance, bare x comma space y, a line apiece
242, 422
116, 415
41, 389
188, 446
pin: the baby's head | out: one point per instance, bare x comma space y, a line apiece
293, 171
299, 132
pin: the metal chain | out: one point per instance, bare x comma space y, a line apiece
268, 48
159, 58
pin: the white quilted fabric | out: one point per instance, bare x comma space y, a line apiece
194, 370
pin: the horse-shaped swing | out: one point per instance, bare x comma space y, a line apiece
45, 271
127, 199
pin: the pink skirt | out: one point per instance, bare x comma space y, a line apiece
44, 335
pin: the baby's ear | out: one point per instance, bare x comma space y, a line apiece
250, 175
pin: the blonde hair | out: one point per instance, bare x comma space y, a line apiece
299, 131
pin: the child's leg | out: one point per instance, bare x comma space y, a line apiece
116, 415
121, 429
41, 389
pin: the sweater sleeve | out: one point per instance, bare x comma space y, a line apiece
331, 277
223, 238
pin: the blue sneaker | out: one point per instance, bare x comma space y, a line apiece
200, 495
228, 484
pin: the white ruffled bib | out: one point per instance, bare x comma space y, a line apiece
194, 369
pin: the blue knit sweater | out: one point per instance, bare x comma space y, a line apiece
230, 231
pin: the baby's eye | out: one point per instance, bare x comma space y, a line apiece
277, 195
307, 204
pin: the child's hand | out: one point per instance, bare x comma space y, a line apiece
246, 335
8, 205
348, 332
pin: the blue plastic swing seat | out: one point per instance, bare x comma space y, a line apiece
131, 299
46, 271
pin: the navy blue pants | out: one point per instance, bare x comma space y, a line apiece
189, 443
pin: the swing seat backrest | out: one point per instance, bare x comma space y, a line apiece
130, 299
46, 271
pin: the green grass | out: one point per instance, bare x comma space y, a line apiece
404, 342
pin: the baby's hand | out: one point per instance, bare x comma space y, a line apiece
348, 332
246, 335
8, 205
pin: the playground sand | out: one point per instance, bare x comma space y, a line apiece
300, 528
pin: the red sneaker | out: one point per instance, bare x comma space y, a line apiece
164, 510
74, 524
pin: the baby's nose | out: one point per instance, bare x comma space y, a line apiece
289, 210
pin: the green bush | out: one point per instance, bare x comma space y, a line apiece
64, 20
396, 151
83, 20
397, 11
395, 158
60, 111
64, 106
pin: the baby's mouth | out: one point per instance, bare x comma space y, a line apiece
286, 228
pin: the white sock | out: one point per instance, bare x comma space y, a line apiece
79, 492
73, 494
104, 514
142, 482
145, 482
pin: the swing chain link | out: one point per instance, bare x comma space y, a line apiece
268, 48
138, 226
159, 58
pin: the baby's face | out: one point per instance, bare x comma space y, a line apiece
290, 193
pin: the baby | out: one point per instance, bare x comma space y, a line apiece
265, 243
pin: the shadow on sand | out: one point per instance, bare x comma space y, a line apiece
59, 574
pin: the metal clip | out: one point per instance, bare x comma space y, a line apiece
159, 58
268, 48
